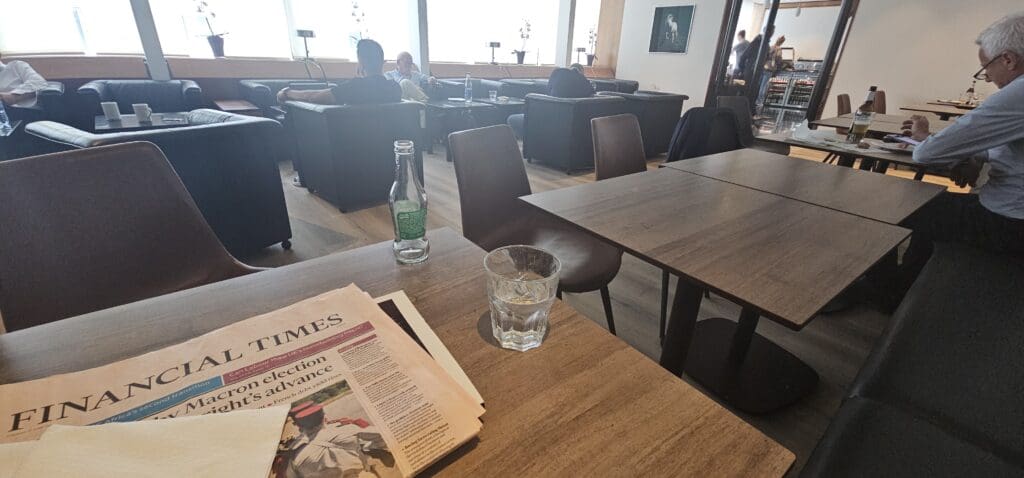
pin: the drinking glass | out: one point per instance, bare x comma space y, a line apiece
494, 95
521, 286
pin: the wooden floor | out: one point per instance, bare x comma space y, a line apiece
835, 345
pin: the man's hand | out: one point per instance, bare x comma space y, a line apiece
282, 95
9, 98
432, 81
966, 172
916, 127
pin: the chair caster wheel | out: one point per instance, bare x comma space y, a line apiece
286, 245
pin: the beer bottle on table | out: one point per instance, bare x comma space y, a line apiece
408, 202
862, 118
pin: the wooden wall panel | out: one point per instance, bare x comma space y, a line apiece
609, 31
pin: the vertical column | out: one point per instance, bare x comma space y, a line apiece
418, 30
563, 42
296, 44
156, 64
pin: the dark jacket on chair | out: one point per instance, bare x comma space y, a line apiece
703, 131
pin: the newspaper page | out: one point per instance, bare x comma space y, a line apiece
364, 397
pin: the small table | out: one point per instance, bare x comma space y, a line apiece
881, 125
874, 196
776, 257
945, 112
881, 157
132, 123
511, 106
584, 403
449, 116
9, 141
241, 107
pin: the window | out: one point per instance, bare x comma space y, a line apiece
338, 25
585, 28
460, 31
253, 28
69, 26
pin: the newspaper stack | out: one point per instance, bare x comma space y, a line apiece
364, 395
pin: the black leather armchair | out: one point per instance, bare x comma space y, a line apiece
162, 96
940, 393
557, 130
658, 114
604, 85
49, 105
263, 93
627, 86
227, 162
346, 152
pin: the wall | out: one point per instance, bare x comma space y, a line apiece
809, 33
686, 73
915, 50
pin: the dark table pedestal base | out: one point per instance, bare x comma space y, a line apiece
764, 379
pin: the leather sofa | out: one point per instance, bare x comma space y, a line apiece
263, 93
228, 163
941, 392
519, 88
658, 114
627, 86
162, 96
50, 106
557, 130
601, 84
346, 152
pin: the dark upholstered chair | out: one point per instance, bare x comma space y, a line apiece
95, 228
557, 130
658, 114
627, 86
162, 96
50, 105
263, 93
940, 393
346, 153
740, 107
703, 131
491, 177
228, 163
618, 146
604, 85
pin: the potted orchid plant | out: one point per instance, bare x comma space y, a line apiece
592, 36
524, 33
359, 21
216, 40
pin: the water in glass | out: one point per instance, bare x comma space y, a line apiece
521, 286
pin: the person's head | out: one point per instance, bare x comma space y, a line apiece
371, 57
578, 68
779, 41
405, 64
670, 18
1001, 50
741, 35
309, 419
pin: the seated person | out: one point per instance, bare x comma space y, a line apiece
992, 133
370, 87
563, 83
19, 84
409, 78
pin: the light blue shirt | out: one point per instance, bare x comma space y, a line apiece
995, 130
415, 76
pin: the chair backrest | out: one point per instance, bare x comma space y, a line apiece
740, 107
703, 131
618, 146
880, 102
843, 105
95, 228
491, 177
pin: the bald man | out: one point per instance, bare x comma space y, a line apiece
409, 78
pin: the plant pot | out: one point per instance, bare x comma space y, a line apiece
217, 45
520, 57
590, 59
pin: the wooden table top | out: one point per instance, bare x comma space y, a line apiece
875, 196
784, 258
132, 123
583, 403
882, 124
941, 110
899, 158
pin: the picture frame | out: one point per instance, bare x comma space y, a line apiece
670, 28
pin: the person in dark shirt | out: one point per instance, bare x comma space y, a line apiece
370, 87
563, 83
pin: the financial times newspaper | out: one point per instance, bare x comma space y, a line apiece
365, 398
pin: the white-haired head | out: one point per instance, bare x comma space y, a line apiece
1005, 35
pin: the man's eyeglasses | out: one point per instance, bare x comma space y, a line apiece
982, 74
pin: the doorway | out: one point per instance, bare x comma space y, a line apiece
784, 60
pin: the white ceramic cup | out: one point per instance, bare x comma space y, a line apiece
143, 112
110, 111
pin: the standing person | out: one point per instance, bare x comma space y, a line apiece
741, 47
18, 85
992, 133
370, 87
409, 78
325, 450
772, 64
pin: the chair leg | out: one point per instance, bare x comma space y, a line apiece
664, 305
607, 300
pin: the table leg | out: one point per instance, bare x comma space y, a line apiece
681, 324
919, 175
881, 167
845, 161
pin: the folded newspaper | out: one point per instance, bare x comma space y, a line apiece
367, 393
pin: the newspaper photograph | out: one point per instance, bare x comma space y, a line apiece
365, 398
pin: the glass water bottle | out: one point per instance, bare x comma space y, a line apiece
408, 204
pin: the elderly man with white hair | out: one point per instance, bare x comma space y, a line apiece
409, 78
993, 133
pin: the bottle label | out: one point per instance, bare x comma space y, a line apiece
412, 224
